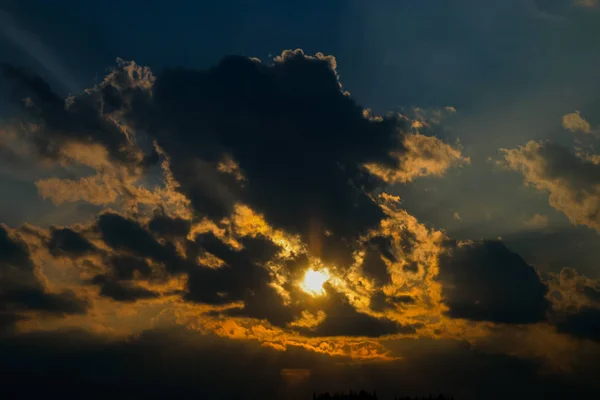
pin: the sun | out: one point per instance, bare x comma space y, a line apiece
314, 280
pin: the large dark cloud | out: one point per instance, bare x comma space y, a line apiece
298, 138
282, 138
22, 291
485, 281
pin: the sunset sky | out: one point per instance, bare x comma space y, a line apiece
261, 199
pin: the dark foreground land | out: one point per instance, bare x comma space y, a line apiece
362, 395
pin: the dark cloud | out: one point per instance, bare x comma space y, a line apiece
584, 324
484, 281
242, 278
298, 139
187, 365
179, 365
22, 291
127, 235
124, 267
592, 293
163, 225
67, 241
344, 320
121, 291
373, 265
8, 321
282, 138
84, 118
286, 142
411, 267
37, 300
121, 268
381, 302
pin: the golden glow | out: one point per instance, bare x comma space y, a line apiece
314, 280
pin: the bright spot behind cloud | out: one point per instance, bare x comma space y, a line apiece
314, 280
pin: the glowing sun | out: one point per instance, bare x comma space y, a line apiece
314, 280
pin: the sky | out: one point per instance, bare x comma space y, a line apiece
263, 199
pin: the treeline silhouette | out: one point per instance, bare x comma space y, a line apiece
362, 395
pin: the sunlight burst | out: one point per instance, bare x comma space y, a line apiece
314, 280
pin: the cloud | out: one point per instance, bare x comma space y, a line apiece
572, 291
575, 304
174, 359
586, 3
67, 241
342, 319
22, 291
267, 119
164, 225
574, 122
124, 234
125, 267
220, 188
120, 291
87, 118
584, 324
424, 155
573, 182
537, 221
485, 281
373, 264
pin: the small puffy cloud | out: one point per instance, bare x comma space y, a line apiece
571, 291
424, 155
574, 122
573, 182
